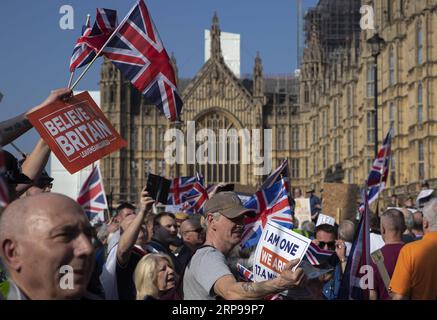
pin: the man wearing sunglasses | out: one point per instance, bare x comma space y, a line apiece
193, 236
192, 233
327, 285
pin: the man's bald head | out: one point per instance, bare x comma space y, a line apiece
39, 236
26, 214
393, 220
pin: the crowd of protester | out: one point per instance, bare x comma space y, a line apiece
139, 254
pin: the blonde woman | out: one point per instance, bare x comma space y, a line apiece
154, 278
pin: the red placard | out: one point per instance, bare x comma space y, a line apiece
77, 131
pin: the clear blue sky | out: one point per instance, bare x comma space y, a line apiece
35, 52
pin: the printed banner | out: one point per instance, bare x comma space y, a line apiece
277, 246
324, 219
76, 131
302, 210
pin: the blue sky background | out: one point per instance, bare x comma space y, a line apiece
35, 52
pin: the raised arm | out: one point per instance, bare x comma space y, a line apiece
130, 235
12, 128
228, 288
34, 164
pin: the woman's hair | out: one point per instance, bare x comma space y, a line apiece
146, 275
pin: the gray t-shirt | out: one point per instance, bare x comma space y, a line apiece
205, 267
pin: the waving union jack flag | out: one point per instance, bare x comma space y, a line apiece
317, 256
379, 172
82, 53
4, 194
138, 52
93, 39
281, 172
271, 203
92, 196
181, 187
195, 199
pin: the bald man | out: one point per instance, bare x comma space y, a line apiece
392, 228
45, 245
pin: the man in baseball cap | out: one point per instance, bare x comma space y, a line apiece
207, 275
228, 204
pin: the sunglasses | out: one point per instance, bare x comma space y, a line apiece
330, 244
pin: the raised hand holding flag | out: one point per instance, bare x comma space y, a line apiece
138, 52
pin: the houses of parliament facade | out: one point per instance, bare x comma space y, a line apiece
322, 119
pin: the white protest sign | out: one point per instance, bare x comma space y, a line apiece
173, 208
277, 246
302, 210
324, 219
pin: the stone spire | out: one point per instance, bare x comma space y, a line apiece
258, 81
216, 52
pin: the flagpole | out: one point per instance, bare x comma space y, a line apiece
101, 49
382, 172
71, 79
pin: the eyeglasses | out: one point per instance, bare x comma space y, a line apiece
330, 244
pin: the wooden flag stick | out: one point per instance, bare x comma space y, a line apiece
101, 49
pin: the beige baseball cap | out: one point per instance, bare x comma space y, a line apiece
228, 204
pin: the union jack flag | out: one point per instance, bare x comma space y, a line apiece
379, 172
138, 52
281, 172
195, 199
4, 193
92, 196
317, 256
244, 273
82, 53
181, 187
271, 203
359, 256
93, 39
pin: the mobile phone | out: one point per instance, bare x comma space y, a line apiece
158, 187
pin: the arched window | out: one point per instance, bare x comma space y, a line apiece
419, 43
335, 113
306, 94
336, 152
421, 158
350, 102
223, 162
370, 80
392, 67
392, 116
420, 103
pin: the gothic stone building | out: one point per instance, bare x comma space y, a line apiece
337, 98
214, 99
